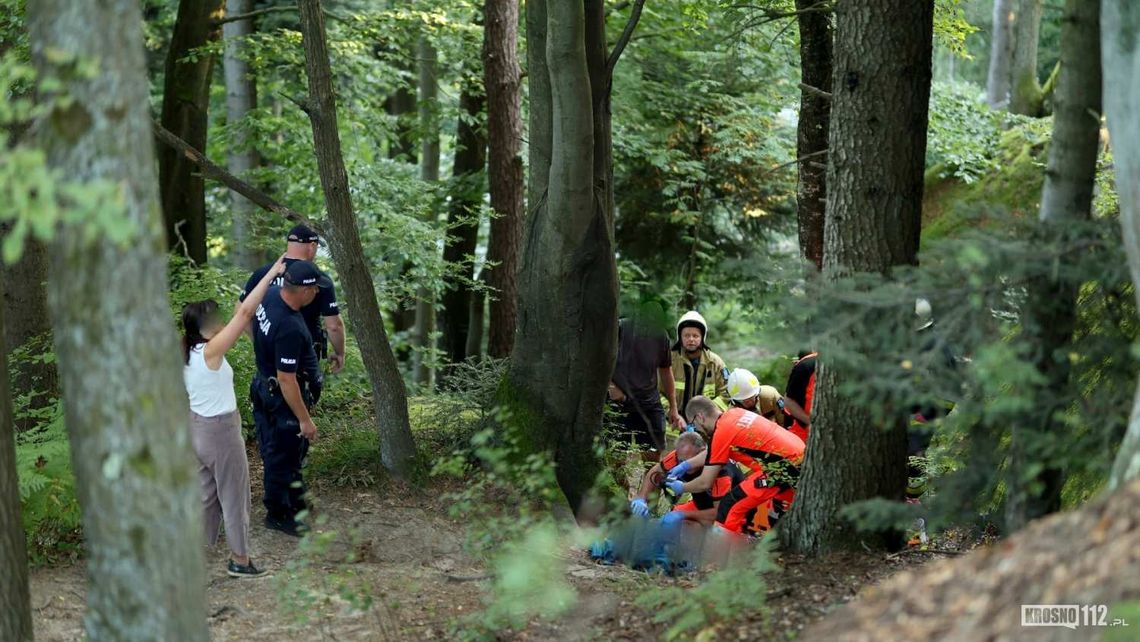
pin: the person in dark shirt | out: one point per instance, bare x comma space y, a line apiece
801, 391
303, 243
643, 356
287, 384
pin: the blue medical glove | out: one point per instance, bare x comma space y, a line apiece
679, 470
676, 486
639, 508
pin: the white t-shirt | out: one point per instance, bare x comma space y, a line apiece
211, 391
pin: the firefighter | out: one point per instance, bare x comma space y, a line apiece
745, 391
696, 369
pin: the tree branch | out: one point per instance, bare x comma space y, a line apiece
815, 91
252, 14
794, 162
626, 34
218, 173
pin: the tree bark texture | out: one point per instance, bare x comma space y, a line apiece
1001, 55
125, 404
1120, 48
1025, 90
1066, 197
15, 600
812, 129
429, 172
397, 448
242, 157
185, 103
874, 201
503, 80
567, 339
467, 189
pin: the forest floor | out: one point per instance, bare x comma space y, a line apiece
397, 546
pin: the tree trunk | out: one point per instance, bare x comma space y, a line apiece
185, 103
26, 318
467, 190
476, 317
503, 80
874, 202
1120, 22
812, 129
1025, 91
125, 405
429, 173
397, 448
242, 159
1001, 54
15, 600
1066, 198
567, 339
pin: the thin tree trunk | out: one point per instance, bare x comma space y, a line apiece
15, 600
26, 318
1001, 54
125, 405
401, 106
812, 128
874, 201
567, 338
429, 173
1120, 22
477, 316
397, 448
467, 189
1066, 198
503, 79
185, 102
1025, 90
241, 100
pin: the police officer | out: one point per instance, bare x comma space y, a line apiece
287, 384
302, 246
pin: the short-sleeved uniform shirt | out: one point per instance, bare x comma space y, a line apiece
728, 477
749, 439
323, 306
281, 341
640, 354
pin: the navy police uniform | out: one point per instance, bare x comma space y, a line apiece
324, 305
282, 343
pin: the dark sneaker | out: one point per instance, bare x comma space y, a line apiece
244, 570
288, 526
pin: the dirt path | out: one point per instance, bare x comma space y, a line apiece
399, 549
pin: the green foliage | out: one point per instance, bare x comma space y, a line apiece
735, 591
49, 506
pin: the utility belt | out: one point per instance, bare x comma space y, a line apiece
269, 389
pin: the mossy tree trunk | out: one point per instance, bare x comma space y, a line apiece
1025, 89
1066, 198
185, 103
567, 326
1120, 48
125, 404
242, 157
876, 159
397, 447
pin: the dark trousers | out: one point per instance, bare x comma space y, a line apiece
282, 451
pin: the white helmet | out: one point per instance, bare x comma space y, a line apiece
742, 385
693, 318
924, 314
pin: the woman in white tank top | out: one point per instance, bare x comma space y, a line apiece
215, 424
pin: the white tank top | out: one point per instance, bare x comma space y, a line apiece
211, 391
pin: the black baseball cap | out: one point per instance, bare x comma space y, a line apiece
305, 273
303, 234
